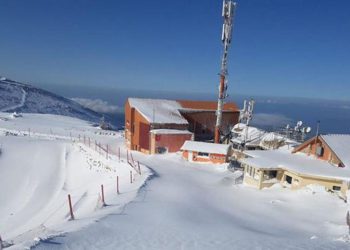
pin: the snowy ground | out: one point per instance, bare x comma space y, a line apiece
184, 206
38, 171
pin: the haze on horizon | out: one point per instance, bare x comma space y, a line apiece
279, 48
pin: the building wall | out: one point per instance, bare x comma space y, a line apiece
212, 158
136, 130
310, 148
202, 124
172, 142
298, 181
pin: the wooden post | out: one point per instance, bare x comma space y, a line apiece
348, 220
103, 196
130, 176
132, 159
70, 207
118, 185
138, 165
119, 153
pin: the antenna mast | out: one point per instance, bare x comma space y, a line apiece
228, 11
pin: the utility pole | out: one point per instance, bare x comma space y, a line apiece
228, 10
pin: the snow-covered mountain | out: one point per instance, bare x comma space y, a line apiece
25, 98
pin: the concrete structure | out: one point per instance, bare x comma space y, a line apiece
172, 123
195, 151
321, 161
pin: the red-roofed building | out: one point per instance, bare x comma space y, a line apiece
157, 125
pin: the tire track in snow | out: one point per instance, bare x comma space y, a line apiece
21, 104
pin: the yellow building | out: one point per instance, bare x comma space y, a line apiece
295, 170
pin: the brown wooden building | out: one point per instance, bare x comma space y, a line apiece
334, 148
158, 125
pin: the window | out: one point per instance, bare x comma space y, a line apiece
203, 154
336, 188
270, 174
319, 151
289, 179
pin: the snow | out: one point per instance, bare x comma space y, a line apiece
24, 98
250, 134
182, 206
191, 206
39, 170
206, 147
169, 131
340, 144
298, 162
158, 111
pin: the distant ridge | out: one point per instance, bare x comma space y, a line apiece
25, 98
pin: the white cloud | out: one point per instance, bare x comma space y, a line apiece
98, 105
273, 120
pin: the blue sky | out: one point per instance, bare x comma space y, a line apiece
279, 47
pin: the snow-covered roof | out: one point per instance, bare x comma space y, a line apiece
206, 147
297, 162
159, 111
242, 133
340, 145
169, 131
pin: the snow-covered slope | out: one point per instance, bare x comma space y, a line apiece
40, 167
24, 98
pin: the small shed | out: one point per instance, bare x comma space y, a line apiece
195, 151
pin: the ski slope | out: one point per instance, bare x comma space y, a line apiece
38, 171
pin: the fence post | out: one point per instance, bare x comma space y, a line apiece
119, 153
70, 207
130, 176
138, 166
107, 152
132, 159
84, 139
103, 196
118, 185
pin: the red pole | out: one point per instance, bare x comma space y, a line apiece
130, 176
138, 165
103, 196
70, 207
118, 185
